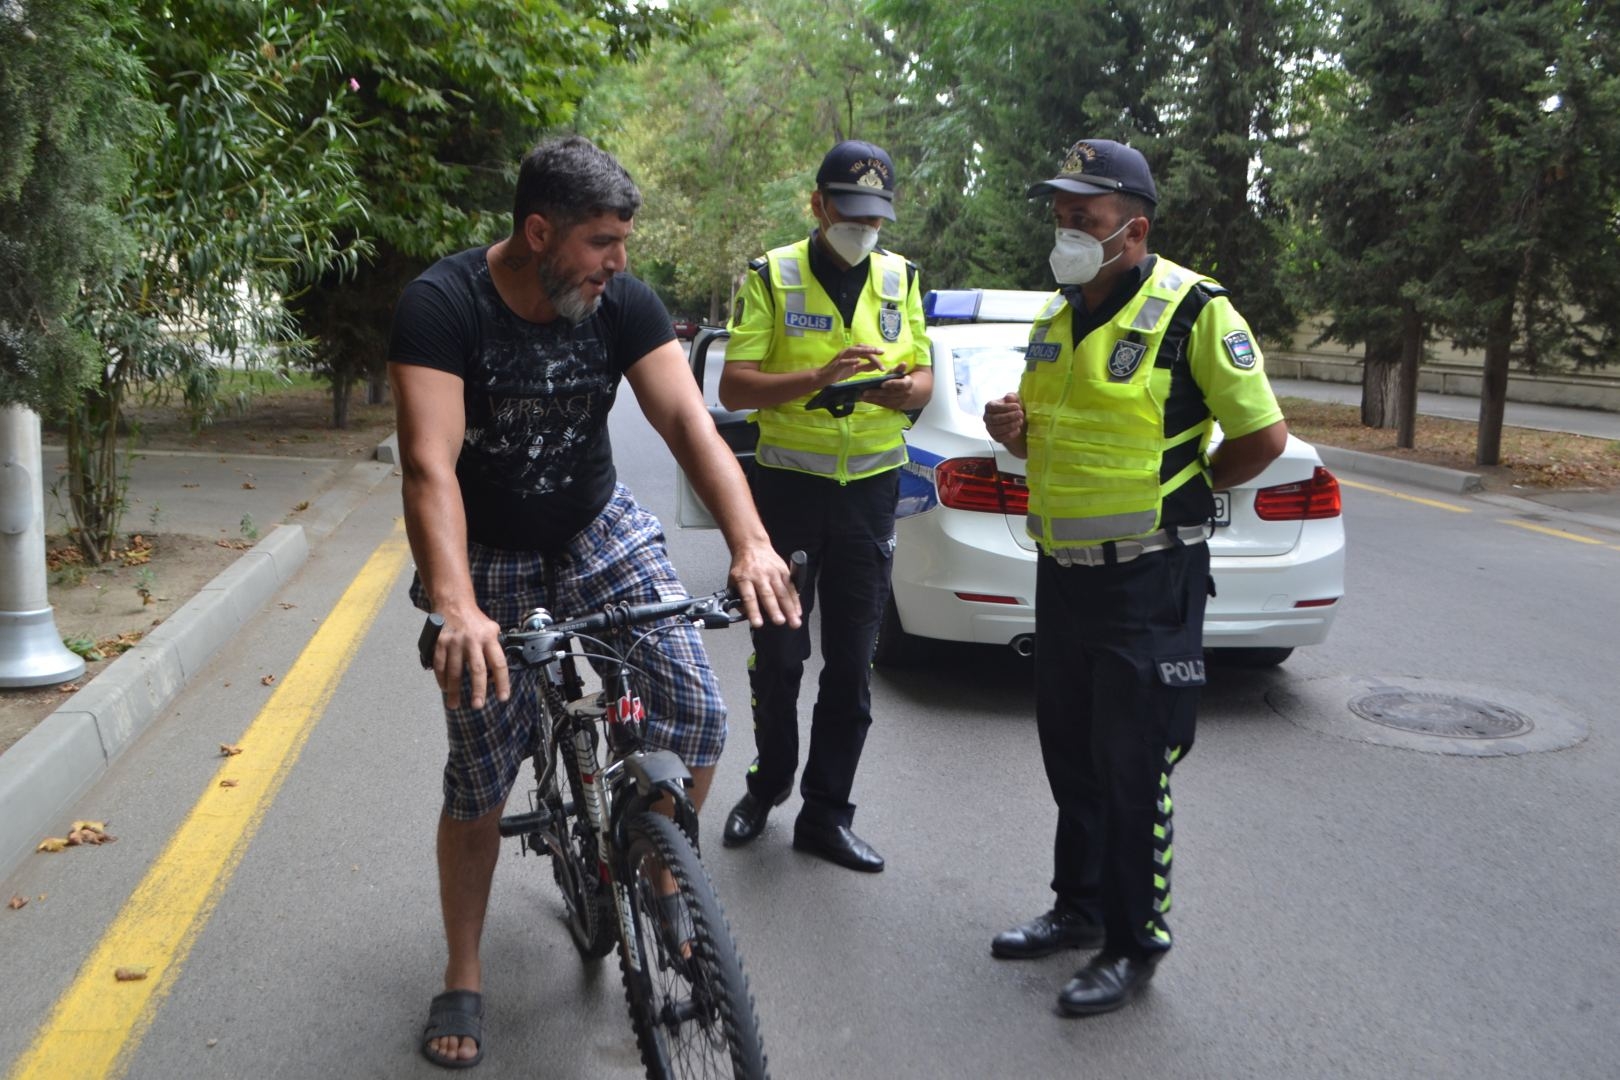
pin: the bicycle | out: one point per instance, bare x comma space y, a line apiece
630, 875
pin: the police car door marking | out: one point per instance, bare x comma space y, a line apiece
1240, 349
1127, 357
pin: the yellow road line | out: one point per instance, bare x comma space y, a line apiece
1561, 534
1437, 504
98, 1022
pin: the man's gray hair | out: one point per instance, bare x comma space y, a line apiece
569, 179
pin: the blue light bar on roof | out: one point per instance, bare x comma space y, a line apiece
951, 305
983, 305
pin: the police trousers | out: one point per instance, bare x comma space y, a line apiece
1118, 667
847, 533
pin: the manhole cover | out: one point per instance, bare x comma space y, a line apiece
1446, 715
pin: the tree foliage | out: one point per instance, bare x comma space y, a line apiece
73, 110
450, 95
240, 200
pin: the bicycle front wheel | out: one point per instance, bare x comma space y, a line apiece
683, 977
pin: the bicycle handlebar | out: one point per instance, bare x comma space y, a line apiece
536, 644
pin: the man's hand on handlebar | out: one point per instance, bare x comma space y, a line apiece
470, 643
761, 581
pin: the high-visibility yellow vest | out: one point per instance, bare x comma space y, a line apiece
1095, 418
810, 333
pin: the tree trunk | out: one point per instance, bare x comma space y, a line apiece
1411, 356
340, 400
377, 387
714, 306
1379, 368
97, 480
1493, 387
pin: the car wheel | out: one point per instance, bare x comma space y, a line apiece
1250, 658
895, 647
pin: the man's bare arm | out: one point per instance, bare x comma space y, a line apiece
431, 422
1246, 457
672, 403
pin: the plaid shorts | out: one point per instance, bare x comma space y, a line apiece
619, 557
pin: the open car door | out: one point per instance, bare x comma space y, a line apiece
707, 357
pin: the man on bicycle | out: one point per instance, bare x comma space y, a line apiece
504, 363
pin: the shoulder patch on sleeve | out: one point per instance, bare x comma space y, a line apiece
1240, 349
1211, 288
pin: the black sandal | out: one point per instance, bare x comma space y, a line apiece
455, 1012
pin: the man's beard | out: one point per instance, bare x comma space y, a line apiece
565, 295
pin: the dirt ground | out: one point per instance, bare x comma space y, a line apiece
104, 608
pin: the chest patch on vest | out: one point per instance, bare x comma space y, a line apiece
889, 321
798, 320
1127, 357
1240, 349
1044, 351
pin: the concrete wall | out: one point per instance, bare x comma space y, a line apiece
1450, 372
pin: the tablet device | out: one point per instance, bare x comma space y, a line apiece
840, 399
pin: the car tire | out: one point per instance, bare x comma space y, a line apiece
896, 648
1250, 657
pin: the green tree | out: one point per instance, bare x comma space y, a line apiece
724, 132
1230, 87
235, 207
449, 95
73, 112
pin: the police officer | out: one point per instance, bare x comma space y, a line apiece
1126, 368
822, 311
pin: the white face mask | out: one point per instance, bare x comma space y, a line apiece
851, 240
1077, 255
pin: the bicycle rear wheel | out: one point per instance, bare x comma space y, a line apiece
689, 999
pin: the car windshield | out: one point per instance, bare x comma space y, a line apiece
984, 373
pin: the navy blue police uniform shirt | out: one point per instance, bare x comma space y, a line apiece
536, 466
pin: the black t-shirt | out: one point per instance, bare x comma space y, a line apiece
536, 466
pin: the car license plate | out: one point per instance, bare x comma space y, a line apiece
1223, 508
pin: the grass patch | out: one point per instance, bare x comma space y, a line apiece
1530, 458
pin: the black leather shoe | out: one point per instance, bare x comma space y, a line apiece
836, 843
1046, 934
1104, 985
747, 818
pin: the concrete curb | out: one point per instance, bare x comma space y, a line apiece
1451, 481
46, 771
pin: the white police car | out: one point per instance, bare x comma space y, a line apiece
964, 568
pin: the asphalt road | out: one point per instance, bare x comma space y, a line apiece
1343, 908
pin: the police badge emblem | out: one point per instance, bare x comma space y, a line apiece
1240, 349
889, 321
1127, 357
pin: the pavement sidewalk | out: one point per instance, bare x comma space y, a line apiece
43, 774
51, 767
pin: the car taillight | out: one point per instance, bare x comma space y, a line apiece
1316, 498
974, 483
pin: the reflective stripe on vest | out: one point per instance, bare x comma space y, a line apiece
1096, 418
809, 334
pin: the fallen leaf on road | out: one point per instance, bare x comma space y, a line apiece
234, 545
227, 783
125, 974
52, 844
247, 485
67, 688
229, 749
190, 485
267, 680
286, 606
17, 902
301, 506
98, 826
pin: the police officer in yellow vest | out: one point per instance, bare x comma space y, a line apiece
826, 310
1126, 369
